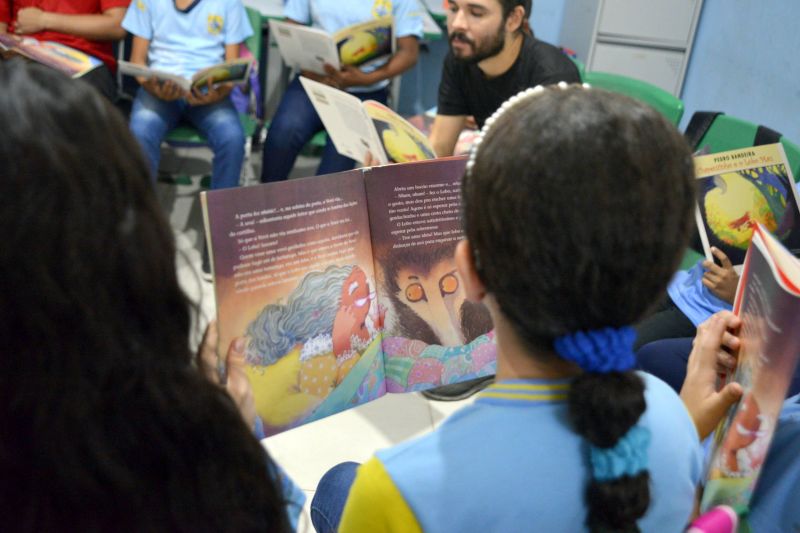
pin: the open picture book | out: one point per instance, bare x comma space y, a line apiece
768, 302
236, 71
307, 48
68, 60
344, 288
357, 127
741, 188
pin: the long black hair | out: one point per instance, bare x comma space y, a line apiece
105, 423
578, 209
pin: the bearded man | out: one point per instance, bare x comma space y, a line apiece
493, 56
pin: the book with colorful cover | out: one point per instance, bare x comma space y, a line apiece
357, 127
68, 60
741, 188
768, 302
344, 288
360, 45
235, 71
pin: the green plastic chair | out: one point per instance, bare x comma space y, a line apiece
186, 135
731, 133
667, 104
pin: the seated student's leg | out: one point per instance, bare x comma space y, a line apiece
332, 161
667, 322
330, 497
151, 119
219, 123
666, 359
294, 124
102, 80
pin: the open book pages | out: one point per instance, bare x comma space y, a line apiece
306, 48
741, 188
357, 127
68, 60
768, 302
344, 288
237, 71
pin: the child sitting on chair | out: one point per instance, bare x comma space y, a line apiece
183, 37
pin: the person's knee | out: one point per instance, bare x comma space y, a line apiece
147, 125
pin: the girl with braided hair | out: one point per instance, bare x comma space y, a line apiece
577, 207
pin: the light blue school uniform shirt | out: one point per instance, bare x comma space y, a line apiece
775, 507
692, 297
183, 42
512, 462
333, 15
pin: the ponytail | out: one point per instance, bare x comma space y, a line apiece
605, 403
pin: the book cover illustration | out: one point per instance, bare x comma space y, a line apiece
295, 278
366, 43
424, 123
768, 301
357, 128
68, 60
402, 142
360, 45
741, 188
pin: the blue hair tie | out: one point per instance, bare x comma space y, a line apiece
600, 350
627, 457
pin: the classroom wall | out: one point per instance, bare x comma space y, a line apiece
743, 62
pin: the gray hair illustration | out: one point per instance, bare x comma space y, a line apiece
309, 311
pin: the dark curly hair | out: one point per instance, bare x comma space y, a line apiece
578, 208
105, 423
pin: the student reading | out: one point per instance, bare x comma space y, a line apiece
569, 436
106, 426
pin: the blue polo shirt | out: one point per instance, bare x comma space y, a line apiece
183, 42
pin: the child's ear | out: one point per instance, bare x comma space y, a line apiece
473, 286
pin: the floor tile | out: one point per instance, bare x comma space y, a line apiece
307, 452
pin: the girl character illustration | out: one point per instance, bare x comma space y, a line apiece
303, 348
738, 458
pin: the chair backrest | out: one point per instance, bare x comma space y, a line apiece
668, 105
253, 43
730, 133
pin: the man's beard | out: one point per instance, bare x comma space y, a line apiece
487, 49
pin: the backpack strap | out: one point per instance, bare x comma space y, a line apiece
765, 135
698, 127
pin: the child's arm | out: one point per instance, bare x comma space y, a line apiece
105, 26
166, 90
720, 280
215, 93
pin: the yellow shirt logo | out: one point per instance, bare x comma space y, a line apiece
215, 24
381, 8
140, 5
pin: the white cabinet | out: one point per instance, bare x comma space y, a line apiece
645, 39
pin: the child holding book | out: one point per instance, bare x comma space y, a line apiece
183, 37
86, 25
296, 121
569, 437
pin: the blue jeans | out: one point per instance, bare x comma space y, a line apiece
294, 124
330, 497
152, 118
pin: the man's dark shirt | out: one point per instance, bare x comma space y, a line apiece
465, 90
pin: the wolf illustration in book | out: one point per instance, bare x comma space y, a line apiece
428, 299
310, 342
